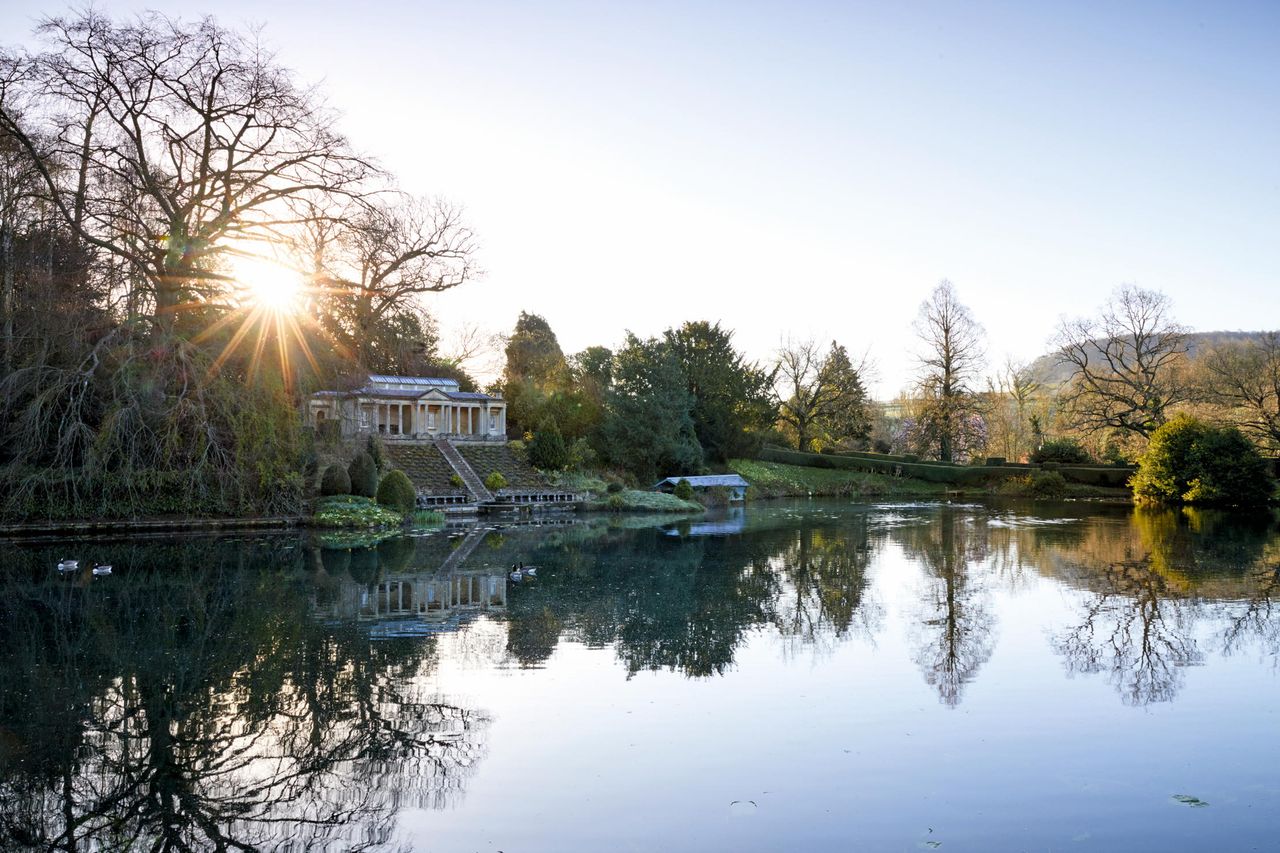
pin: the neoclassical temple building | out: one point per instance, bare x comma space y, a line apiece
411, 408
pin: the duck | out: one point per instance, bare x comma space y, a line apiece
101, 569
531, 571
68, 565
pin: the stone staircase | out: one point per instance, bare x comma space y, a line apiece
468, 474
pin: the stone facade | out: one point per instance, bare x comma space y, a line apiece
410, 409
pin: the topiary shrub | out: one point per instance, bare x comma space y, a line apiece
495, 481
1064, 451
1189, 461
614, 488
617, 503
364, 476
1048, 485
396, 491
335, 481
683, 490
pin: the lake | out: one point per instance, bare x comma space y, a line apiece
812, 675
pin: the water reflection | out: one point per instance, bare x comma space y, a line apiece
956, 626
193, 702
279, 693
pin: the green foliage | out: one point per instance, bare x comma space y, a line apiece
616, 502
364, 476
614, 488
648, 427
1065, 451
582, 456
1048, 485
495, 481
336, 481
353, 511
1189, 461
456, 481
396, 491
732, 398
683, 490
547, 450
427, 518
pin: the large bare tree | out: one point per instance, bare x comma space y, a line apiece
173, 145
952, 358
1128, 366
1245, 378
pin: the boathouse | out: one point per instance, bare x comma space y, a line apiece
736, 486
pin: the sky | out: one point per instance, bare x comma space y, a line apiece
813, 170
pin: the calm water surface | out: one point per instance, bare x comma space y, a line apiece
808, 676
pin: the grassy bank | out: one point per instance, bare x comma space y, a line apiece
776, 480
634, 500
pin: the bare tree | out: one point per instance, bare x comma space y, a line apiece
1245, 377
173, 145
954, 353
397, 250
820, 393
1013, 392
1127, 367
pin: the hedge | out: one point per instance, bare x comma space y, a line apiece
939, 472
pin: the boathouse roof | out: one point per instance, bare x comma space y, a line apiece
708, 481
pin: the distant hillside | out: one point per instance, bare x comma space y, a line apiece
1049, 371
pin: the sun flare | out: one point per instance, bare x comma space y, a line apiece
268, 285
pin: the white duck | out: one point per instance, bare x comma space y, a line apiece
68, 565
102, 569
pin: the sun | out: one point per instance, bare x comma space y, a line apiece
268, 285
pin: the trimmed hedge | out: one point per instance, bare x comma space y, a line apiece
939, 472
396, 491
364, 476
335, 481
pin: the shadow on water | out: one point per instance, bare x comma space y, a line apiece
268, 693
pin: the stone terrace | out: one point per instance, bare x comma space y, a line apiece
485, 459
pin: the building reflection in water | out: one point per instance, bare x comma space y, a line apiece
196, 702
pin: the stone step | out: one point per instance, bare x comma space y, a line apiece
472, 480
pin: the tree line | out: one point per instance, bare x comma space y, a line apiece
688, 400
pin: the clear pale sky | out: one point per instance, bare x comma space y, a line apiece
815, 169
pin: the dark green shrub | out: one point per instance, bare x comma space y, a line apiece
364, 476
614, 488
1048, 485
396, 491
495, 481
1065, 451
547, 449
683, 490
335, 481
994, 461
616, 503
1189, 461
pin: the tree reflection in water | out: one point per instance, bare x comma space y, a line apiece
1149, 585
672, 599
189, 704
956, 627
